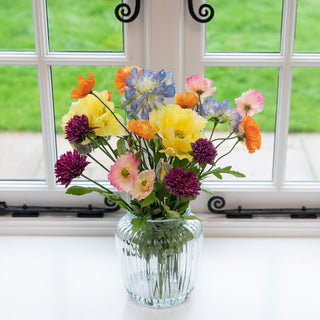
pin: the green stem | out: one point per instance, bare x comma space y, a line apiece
108, 144
230, 138
106, 189
98, 162
202, 170
176, 203
200, 104
224, 139
149, 155
97, 183
104, 150
213, 129
142, 154
124, 127
228, 151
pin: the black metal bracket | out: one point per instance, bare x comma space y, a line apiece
123, 12
216, 204
206, 12
35, 211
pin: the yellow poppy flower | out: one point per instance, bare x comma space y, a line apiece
178, 128
100, 118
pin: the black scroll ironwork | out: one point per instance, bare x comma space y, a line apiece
123, 12
206, 12
217, 203
35, 211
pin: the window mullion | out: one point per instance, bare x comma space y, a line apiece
305, 60
164, 44
193, 45
284, 93
86, 58
45, 90
243, 59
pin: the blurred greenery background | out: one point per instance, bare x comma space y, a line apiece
91, 26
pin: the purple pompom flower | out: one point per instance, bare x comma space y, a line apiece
69, 166
181, 183
203, 151
77, 128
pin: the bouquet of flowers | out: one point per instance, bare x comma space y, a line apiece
162, 154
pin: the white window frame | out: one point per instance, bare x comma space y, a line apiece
47, 192
278, 193
166, 27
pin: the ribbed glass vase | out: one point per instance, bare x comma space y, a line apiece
159, 264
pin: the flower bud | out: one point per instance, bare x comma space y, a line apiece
138, 155
130, 141
83, 148
162, 169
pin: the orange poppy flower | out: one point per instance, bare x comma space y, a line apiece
141, 128
120, 78
84, 87
252, 134
186, 100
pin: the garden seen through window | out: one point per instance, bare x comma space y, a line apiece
265, 45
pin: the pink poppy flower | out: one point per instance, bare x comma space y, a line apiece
249, 103
124, 172
200, 86
143, 185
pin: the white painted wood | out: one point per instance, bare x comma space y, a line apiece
78, 278
284, 93
165, 36
213, 226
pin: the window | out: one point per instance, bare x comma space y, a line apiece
265, 45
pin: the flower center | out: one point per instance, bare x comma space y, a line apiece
179, 134
144, 185
125, 172
146, 85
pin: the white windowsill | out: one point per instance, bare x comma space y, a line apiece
213, 225
78, 278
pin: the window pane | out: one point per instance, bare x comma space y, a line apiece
20, 124
64, 80
231, 82
16, 28
244, 26
303, 155
307, 27
84, 25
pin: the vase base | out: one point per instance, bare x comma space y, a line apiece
159, 303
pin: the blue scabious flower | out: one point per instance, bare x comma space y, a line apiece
220, 112
144, 91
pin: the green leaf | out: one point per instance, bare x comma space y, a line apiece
218, 175
171, 214
139, 223
150, 199
207, 190
191, 217
121, 147
79, 191
116, 199
218, 171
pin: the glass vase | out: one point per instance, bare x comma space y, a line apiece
159, 264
